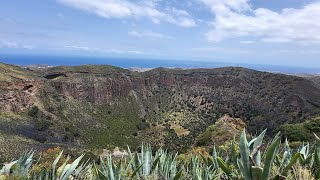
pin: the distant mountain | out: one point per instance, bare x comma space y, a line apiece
315, 78
144, 64
97, 106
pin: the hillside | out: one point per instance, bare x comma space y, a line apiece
93, 107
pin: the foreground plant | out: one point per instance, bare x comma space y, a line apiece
249, 160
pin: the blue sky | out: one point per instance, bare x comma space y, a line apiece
285, 32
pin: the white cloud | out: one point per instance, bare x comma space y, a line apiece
235, 18
83, 48
60, 15
149, 34
14, 45
100, 50
226, 6
246, 42
219, 50
128, 9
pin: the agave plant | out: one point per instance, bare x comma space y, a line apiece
253, 161
22, 168
253, 164
6, 168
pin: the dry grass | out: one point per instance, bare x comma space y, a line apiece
179, 130
300, 173
11, 73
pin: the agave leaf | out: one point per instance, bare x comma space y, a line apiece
224, 166
270, 156
244, 160
54, 164
103, 166
146, 157
259, 139
61, 168
257, 158
95, 169
70, 168
233, 154
81, 168
317, 173
242, 170
24, 163
173, 167
256, 172
257, 144
309, 159
65, 169
101, 175
305, 151
251, 143
155, 163
6, 168
205, 160
215, 156
317, 139
291, 163
136, 171
119, 170
42, 174
286, 156
110, 171
178, 175
317, 157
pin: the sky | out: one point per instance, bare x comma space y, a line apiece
275, 32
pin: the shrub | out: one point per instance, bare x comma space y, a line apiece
204, 139
313, 125
72, 131
33, 111
295, 132
46, 159
42, 125
143, 125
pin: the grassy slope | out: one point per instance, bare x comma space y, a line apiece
11, 73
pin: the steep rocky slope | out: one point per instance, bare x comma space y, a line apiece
92, 107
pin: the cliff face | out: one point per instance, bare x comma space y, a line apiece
17, 87
99, 106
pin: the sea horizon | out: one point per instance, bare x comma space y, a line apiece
125, 62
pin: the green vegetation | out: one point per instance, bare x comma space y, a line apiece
226, 128
249, 160
296, 132
301, 131
91, 107
11, 73
42, 125
33, 111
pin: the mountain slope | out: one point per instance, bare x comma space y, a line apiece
91, 107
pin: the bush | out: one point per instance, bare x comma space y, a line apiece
42, 125
295, 132
40, 138
73, 131
313, 125
33, 111
46, 159
204, 139
143, 125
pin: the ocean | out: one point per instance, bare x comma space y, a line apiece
144, 63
